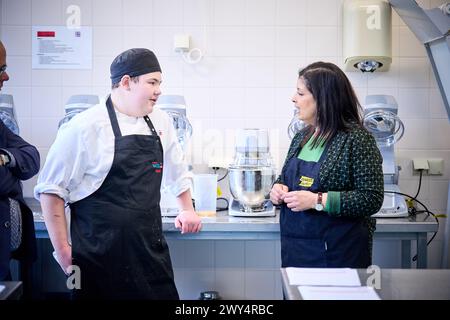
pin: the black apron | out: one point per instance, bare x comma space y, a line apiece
314, 239
117, 238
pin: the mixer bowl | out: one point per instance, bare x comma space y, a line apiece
251, 185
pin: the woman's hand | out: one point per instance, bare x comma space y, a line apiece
278, 192
300, 200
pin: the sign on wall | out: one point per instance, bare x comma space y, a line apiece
60, 47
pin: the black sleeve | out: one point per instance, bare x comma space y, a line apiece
26, 156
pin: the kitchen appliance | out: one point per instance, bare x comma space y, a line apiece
7, 112
77, 104
175, 107
295, 125
251, 175
367, 34
380, 119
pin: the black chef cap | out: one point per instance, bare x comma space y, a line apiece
133, 62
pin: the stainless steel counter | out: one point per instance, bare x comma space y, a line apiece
396, 284
225, 227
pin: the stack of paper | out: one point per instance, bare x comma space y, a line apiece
330, 284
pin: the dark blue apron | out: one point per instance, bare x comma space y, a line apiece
312, 238
117, 238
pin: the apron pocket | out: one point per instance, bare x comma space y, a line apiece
307, 253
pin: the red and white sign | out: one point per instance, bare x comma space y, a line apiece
59, 47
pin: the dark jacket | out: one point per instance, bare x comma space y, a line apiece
351, 173
27, 165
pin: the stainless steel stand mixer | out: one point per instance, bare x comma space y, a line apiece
251, 175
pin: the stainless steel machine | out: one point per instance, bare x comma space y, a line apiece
77, 104
432, 28
7, 112
175, 106
380, 118
295, 125
251, 175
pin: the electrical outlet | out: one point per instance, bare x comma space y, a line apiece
430, 166
436, 166
420, 164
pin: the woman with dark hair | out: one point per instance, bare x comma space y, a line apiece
332, 179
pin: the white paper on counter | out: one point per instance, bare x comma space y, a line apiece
338, 293
323, 276
2, 288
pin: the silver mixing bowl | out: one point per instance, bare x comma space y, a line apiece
251, 185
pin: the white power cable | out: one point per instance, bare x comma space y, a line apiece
192, 56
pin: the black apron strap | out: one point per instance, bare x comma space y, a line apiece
150, 125
152, 129
113, 118
115, 124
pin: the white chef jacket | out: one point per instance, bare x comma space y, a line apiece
82, 154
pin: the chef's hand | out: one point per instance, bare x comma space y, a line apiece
300, 200
64, 258
277, 193
188, 221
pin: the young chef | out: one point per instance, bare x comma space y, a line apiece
107, 164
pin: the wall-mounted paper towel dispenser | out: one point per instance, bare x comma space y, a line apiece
367, 35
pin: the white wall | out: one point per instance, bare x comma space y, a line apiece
253, 50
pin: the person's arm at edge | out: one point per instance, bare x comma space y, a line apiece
368, 193
55, 221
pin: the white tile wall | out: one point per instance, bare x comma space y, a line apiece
197, 12
409, 45
22, 103
107, 40
165, 13
106, 12
321, 41
42, 77
291, 13
322, 12
163, 37
260, 13
290, 41
19, 12
47, 13
17, 39
138, 13
252, 53
20, 65
437, 108
260, 73
228, 13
